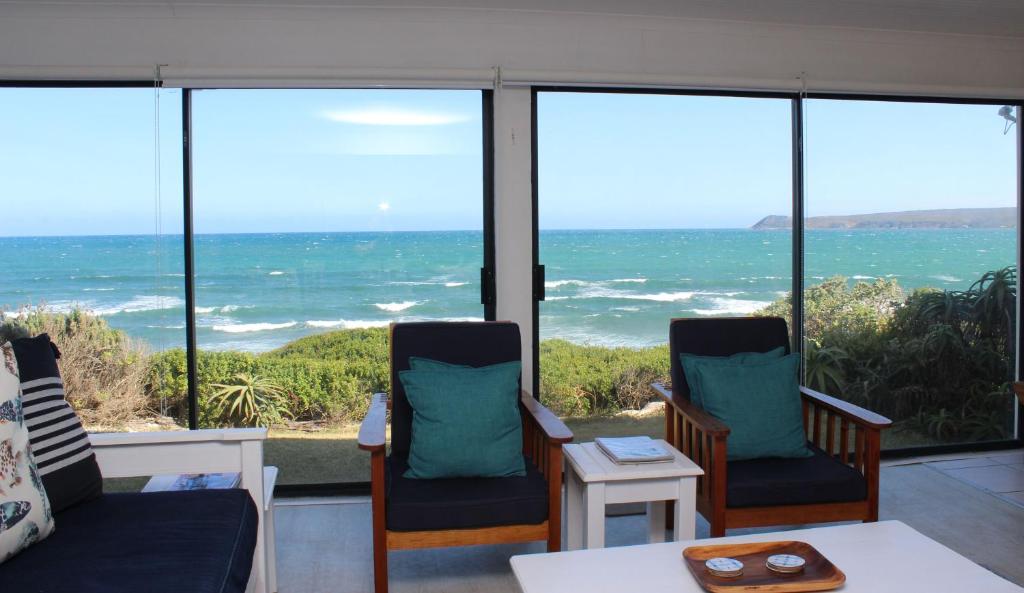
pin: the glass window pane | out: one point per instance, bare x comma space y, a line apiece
911, 247
321, 216
652, 207
91, 244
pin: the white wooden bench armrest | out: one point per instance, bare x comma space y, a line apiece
114, 439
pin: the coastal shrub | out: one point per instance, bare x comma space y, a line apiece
937, 360
249, 400
581, 380
103, 370
316, 389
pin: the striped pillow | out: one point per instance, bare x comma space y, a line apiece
59, 444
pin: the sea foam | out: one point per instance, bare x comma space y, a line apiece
347, 323
140, 304
396, 307
722, 306
243, 328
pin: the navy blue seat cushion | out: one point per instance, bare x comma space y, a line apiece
807, 480
199, 541
463, 503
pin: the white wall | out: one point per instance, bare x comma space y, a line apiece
318, 43
262, 46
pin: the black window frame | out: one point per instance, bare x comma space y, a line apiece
488, 290
798, 179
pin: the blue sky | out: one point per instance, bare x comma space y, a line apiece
82, 161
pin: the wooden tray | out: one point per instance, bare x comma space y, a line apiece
818, 574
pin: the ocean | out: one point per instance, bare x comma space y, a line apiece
256, 292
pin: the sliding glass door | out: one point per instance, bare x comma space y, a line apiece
91, 244
911, 253
651, 207
322, 216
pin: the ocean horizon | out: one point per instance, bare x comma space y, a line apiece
259, 291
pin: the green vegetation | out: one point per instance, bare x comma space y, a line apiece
324, 378
937, 362
250, 401
582, 381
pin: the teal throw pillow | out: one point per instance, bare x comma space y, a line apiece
760, 402
465, 420
688, 361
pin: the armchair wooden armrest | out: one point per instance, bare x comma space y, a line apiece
706, 422
550, 425
821, 413
373, 430
701, 437
543, 437
851, 412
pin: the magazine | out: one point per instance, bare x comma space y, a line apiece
206, 481
633, 449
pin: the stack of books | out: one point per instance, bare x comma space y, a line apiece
633, 449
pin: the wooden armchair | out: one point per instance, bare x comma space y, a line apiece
838, 483
410, 513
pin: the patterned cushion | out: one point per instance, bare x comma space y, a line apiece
59, 444
25, 514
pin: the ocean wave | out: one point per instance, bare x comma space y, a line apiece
862, 277
348, 323
557, 298
396, 307
600, 292
627, 309
558, 283
140, 304
636, 280
370, 323
276, 273
243, 328
725, 306
945, 278
98, 289
224, 309
454, 284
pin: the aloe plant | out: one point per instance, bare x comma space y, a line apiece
251, 400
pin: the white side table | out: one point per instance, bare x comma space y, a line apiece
165, 481
593, 481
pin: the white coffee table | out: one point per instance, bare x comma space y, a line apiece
885, 557
593, 481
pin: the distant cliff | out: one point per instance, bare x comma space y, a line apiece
956, 218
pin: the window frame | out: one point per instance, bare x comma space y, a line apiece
798, 179
488, 291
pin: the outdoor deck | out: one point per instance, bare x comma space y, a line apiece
973, 504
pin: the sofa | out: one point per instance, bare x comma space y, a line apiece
201, 541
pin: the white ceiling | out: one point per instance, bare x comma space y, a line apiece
971, 17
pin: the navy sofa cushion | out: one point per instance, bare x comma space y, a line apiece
199, 541
470, 343
808, 480
463, 503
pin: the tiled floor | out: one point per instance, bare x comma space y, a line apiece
323, 545
1001, 474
